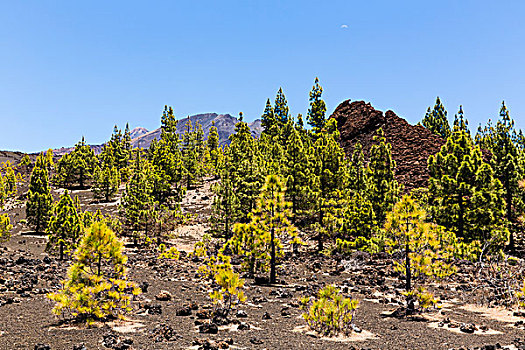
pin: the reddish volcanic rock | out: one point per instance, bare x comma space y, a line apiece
411, 144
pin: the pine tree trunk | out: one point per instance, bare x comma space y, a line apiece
61, 250
273, 277
319, 235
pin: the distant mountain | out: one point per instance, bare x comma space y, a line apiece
138, 132
225, 124
141, 137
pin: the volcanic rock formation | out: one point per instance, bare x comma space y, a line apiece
411, 144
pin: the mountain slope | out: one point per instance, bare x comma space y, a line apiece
225, 124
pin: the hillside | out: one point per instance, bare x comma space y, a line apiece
225, 124
411, 144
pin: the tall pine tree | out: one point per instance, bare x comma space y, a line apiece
436, 120
39, 200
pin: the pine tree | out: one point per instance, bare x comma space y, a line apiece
78, 166
268, 120
327, 173
460, 122
10, 179
270, 227
138, 196
436, 120
213, 146
106, 182
280, 109
39, 200
65, 226
502, 142
245, 166
297, 171
190, 155
5, 228
226, 205
316, 116
166, 158
463, 191
426, 248
383, 187
357, 171
97, 285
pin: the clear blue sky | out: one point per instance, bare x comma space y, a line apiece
73, 68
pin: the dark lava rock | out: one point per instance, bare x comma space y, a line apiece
256, 341
411, 144
79, 347
183, 311
203, 314
153, 309
266, 316
144, 287
42, 347
243, 326
468, 328
209, 328
241, 314
163, 332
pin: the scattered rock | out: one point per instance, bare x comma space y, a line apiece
468, 328
42, 347
209, 328
163, 295
241, 314
266, 316
183, 311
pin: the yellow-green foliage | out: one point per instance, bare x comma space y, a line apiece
424, 298
261, 240
229, 292
373, 244
331, 313
427, 248
172, 253
97, 287
5, 228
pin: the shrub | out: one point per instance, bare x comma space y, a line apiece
96, 287
331, 313
172, 253
228, 294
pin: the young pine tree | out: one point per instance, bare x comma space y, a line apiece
436, 120
97, 285
268, 229
316, 116
65, 226
39, 200
426, 248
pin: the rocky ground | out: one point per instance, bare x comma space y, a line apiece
171, 313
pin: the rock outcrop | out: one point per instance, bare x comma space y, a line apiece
411, 144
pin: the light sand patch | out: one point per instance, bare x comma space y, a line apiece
495, 313
353, 337
128, 326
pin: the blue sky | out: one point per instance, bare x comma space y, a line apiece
71, 68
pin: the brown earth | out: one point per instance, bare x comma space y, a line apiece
27, 273
411, 144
